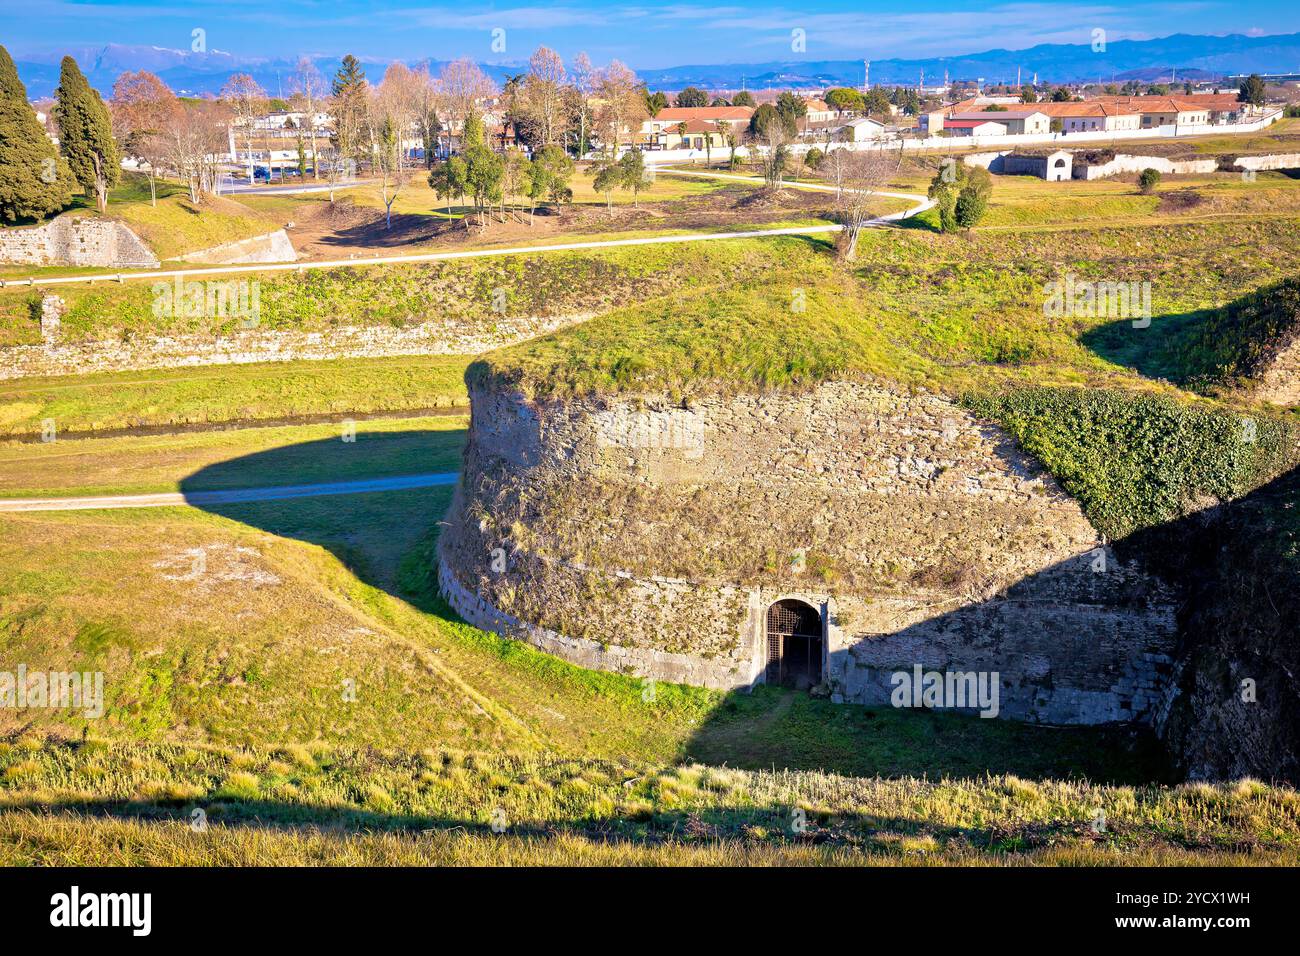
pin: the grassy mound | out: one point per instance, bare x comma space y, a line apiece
920, 309
1239, 341
474, 292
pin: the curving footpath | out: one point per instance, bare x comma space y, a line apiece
922, 204
170, 499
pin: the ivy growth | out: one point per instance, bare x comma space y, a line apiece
1134, 461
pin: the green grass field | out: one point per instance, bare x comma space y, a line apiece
949, 313
207, 396
233, 458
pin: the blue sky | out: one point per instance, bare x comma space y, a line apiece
644, 35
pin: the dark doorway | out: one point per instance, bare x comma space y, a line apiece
794, 644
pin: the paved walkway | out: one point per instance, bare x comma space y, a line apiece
172, 499
922, 203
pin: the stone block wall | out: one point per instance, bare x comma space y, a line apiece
922, 534
76, 241
273, 345
272, 247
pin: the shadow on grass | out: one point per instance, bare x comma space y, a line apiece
1154, 350
653, 820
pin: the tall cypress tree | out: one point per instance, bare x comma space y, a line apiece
86, 134
34, 181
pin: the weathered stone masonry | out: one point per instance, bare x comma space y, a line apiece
440, 337
76, 241
643, 536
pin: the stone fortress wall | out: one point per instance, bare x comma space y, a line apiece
650, 537
445, 336
76, 241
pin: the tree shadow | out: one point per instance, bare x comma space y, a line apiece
1154, 349
406, 229
652, 822
360, 528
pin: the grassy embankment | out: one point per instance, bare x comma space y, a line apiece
171, 228
134, 805
478, 292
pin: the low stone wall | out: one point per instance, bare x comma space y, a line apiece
922, 536
1135, 164
76, 241
270, 345
635, 662
1272, 161
272, 247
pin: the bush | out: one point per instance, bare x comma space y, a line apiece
961, 194
1134, 461
814, 158
1148, 180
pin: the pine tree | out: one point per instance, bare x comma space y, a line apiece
349, 89
34, 181
86, 134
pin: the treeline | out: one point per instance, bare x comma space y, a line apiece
37, 178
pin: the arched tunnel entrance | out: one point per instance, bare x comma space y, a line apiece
794, 644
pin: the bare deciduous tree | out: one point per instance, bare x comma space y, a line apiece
461, 86
310, 90
398, 101
543, 104
143, 108
194, 138
246, 100
622, 104
584, 75
426, 119
863, 174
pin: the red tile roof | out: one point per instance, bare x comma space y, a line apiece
675, 114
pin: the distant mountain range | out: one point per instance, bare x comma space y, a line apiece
1192, 57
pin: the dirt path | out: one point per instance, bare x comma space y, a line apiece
171, 499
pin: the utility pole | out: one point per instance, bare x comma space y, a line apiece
866, 75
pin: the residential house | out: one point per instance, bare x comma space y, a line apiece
1026, 122
663, 131
1089, 116
1195, 109
819, 111
974, 127
1157, 111
860, 130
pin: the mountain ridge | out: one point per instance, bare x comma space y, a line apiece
1191, 56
